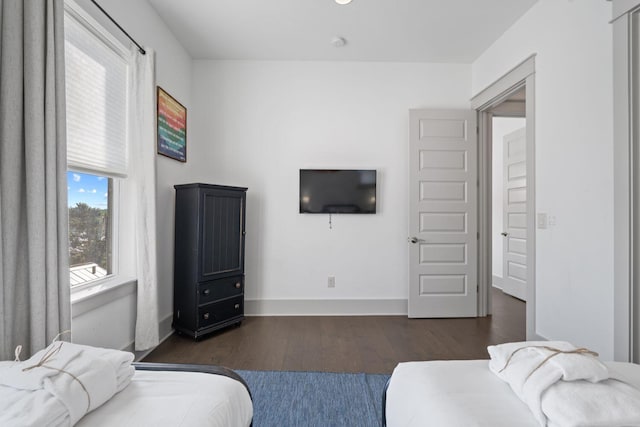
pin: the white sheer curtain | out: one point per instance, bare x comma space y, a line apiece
143, 171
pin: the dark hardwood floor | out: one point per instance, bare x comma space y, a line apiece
371, 344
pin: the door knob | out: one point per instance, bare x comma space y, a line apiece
504, 233
413, 240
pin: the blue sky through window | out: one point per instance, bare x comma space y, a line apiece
87, 188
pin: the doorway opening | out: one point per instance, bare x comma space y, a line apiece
507, 242
508, 223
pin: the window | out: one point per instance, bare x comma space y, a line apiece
97, 72
90, 227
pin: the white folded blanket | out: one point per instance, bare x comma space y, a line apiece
60, 384
574, 389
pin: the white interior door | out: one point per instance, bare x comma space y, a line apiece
514, 262
443, 213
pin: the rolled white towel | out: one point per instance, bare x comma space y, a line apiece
518, 361
585, 404
119, 360
532, 367
27, 376
20, 408
75, 377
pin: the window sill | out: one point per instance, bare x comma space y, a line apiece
104, 292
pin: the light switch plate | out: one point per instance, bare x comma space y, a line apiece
331, 281
542, 220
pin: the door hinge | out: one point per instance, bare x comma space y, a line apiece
477, 288
478, 235
477, 130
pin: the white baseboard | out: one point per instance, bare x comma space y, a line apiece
165, 327
330, 307
497, 282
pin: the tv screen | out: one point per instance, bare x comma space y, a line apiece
338, 191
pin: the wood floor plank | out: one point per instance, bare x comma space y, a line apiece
371, 344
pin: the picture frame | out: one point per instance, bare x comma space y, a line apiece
171, 127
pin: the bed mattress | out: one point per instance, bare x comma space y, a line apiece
452, 393
464, 393
167, 398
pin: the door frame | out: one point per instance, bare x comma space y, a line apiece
518, 77
626, 161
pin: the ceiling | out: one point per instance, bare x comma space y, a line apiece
454, 31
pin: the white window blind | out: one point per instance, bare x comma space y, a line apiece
96, 89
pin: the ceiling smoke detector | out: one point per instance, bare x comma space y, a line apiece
343, 1
338, 41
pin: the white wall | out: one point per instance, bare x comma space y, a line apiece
501, 127
173, 73
574, 162
263, 121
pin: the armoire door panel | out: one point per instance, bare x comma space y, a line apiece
221, 235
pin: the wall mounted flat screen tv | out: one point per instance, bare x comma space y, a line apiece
333, 191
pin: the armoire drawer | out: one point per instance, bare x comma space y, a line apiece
218, 289
220, 311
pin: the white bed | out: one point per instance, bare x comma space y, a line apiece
175, 395
71, 384
460, 394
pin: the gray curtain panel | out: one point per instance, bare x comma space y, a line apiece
34, 258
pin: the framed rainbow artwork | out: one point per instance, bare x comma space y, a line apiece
172, 127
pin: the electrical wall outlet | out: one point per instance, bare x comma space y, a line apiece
331, 282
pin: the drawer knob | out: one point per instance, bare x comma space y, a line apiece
206, 292
238, 285
205, 316
237, 306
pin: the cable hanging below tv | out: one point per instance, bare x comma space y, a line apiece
338, 191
